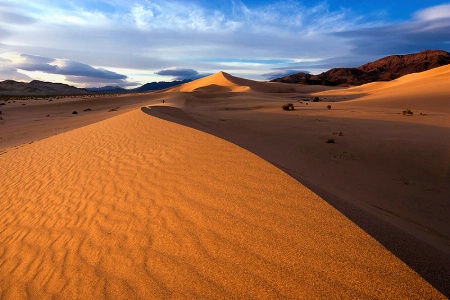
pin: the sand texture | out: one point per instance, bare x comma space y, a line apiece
156, 202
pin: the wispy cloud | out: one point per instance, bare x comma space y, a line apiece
430, 29
434, 13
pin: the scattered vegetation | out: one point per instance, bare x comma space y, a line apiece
87, 109
408, 112
316, 99
114, 109
330, 141
329, 106
288, 106
74, 112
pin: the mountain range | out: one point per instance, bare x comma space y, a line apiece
41, 88
151, 86
384, 69
36, 87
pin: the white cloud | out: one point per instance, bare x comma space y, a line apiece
434, 13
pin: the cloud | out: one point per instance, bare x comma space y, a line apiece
434, 13
8, 73
181, 74
10, 17
166, 33
178, 72
73, 70
429, 30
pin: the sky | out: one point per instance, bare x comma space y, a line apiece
127, 43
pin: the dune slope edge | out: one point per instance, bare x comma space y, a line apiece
138, 207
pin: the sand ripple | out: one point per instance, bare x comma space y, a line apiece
137, 207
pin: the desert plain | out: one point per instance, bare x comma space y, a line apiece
219, 193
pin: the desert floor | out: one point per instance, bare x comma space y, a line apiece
219, 193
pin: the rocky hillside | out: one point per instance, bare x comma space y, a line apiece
384, 69
36, 88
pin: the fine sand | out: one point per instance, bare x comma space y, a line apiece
165, 201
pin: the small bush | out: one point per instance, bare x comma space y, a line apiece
407, 112
329, 106
330, 141
316, 99
288, 106
74, 112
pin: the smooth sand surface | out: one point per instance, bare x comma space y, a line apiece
142, 205
420, 92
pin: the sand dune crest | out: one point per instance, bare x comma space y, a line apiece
224, 82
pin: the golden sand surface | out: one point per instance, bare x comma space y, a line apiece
139, 206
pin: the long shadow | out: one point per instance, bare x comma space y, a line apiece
430, 263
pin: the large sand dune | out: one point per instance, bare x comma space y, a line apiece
224, 82
140, 206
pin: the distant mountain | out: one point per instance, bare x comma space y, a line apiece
108, 89
40, 88
384, 69
155, 86
148, 87
36, 88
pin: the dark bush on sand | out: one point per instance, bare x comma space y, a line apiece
288, 106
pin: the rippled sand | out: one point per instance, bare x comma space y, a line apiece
138, 207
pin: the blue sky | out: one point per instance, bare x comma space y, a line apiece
132, 42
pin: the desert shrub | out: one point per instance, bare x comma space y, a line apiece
316, 99
407, 112
330, 141
74, 112
329, 106
288, 106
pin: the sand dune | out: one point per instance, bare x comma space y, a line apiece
224, 82
426, 91
138, 207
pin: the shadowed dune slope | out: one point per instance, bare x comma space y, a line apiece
429, 90
138, 207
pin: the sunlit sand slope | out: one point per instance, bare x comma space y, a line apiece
137, 207
429, 90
